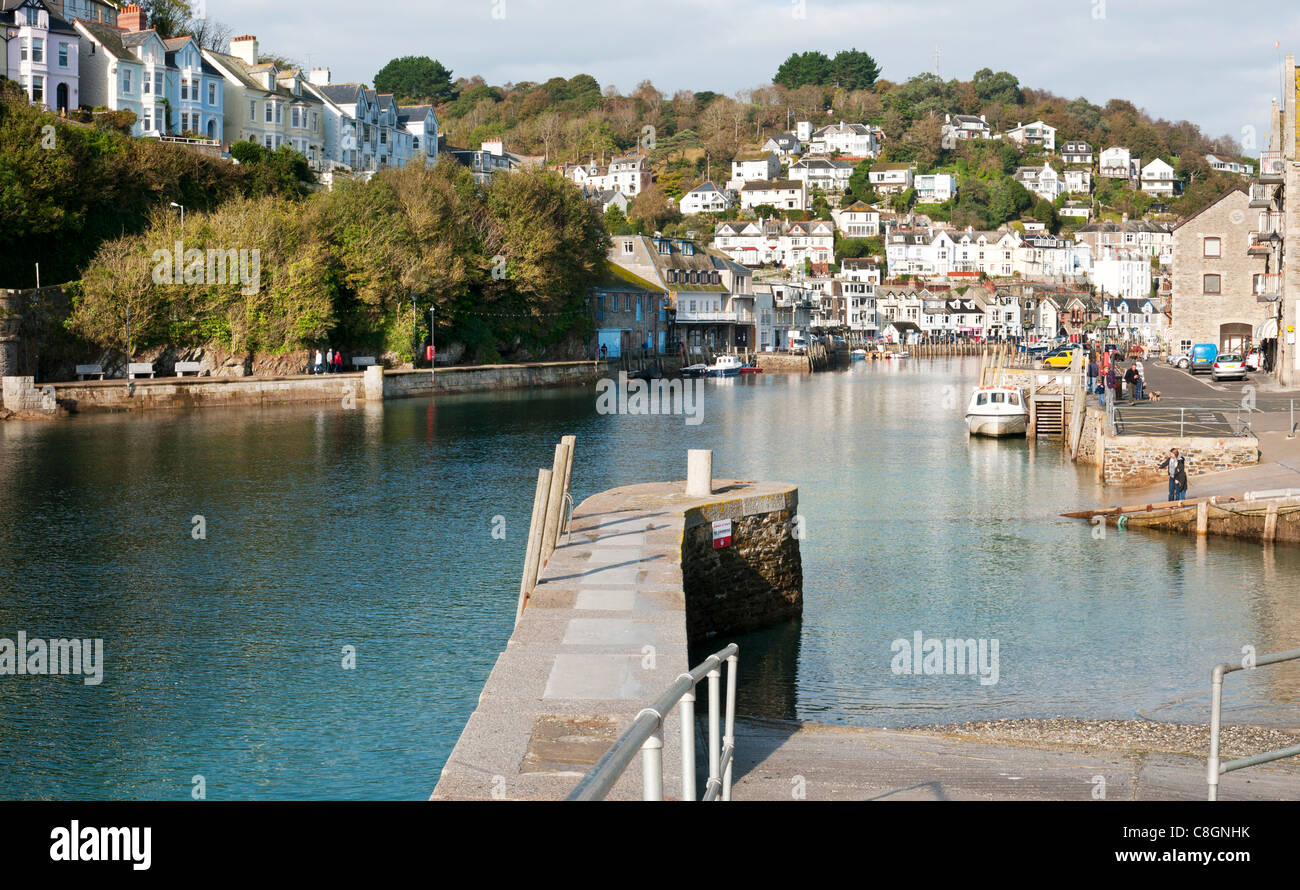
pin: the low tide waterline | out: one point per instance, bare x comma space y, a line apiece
373, 528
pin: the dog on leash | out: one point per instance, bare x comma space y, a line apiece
1154, 395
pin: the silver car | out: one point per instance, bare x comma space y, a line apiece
1182, 360
1228, 365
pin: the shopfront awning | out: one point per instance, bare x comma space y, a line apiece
1266, 330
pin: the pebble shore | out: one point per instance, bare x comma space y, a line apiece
1127, 735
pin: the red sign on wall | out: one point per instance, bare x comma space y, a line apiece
721, 534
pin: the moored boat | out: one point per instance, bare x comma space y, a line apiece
997, 411
725, 366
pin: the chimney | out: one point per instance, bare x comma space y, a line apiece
245, 49
320, 77
132, 18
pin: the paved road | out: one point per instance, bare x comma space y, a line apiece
780, 761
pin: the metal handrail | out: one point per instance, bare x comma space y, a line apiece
646, 734
1215, 768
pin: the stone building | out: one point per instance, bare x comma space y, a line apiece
1225, 264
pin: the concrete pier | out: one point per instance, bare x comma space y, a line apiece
606, 628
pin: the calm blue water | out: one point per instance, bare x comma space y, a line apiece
372, 528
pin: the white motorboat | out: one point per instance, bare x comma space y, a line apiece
997, 411
725, 366
858, 355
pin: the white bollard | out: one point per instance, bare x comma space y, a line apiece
699, 472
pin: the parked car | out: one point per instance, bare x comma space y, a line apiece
1182, 360
1060, 359
1255, 359
1228, 365
1203, 356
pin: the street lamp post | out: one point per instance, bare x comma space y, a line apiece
182, 208
433, 348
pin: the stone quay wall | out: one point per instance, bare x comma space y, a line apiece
605, 632
1132, 460
170, 393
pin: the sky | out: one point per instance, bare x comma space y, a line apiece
1213, 63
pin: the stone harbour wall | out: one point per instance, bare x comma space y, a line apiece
1133, 460
755, 581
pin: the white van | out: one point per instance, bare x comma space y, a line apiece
796, 342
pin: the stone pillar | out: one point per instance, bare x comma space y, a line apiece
374, 382
699, 472
10, 319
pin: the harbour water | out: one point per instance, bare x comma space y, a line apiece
373, 528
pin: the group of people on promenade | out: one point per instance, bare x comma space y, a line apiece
329, 362
1115, 380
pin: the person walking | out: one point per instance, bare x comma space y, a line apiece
1141, 381
1174, 463
329, 360
1094, 371
338, 362
1109, 383
316, 366
1130, 382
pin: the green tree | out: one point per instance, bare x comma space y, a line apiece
860, 182
811, 67
997, 87
416, 79
854, 70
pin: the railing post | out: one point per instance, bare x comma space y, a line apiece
652, 763
554, 502
729, 737
1216, 707
686, 711
715, 752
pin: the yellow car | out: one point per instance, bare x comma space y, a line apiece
1060, 359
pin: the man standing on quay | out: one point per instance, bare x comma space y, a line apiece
1175, 463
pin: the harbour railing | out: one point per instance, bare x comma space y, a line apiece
1216, 767
646, 734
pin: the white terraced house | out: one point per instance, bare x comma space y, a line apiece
822, 173
41, 53
1153, 239
1158, 179
198, 91
1042, 181
1078, 180
1076, 152
781, 194
1122, 273
359, 124
753, 166
629, 175
966, 126
889, 179
125, 69
1224, 166
421, 124
854, 140
943, 252
934, 188
756, 243
1117, 163
858, 220
784, 144
266, 105
1042, 255
707, 198
1037, 133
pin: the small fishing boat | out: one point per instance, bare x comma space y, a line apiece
997, 411
695, 370
858, 355
725, 366
751, 369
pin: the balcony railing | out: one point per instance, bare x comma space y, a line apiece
1272, 166
1268, 286
687, 316
1264, 243
1262, 195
